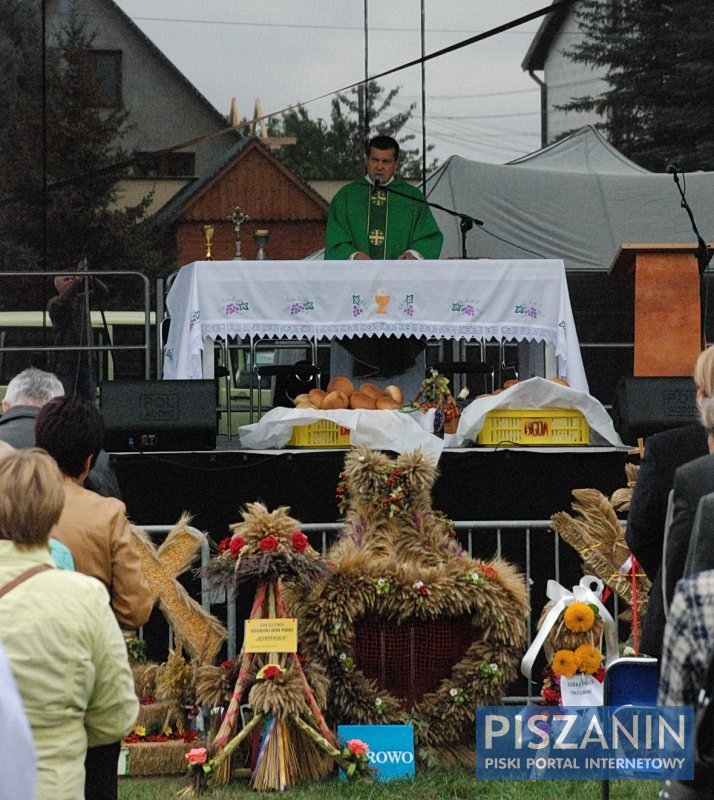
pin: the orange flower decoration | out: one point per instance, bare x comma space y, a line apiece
589, 659
564, 663
579, 617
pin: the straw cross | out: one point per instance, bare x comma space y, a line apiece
194, 627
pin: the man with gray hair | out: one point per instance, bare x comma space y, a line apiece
26, 393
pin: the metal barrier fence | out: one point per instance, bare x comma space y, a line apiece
37, 320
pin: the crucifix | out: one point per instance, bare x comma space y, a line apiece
238, 217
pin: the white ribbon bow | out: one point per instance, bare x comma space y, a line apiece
588, 591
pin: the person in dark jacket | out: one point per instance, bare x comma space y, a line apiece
663, 469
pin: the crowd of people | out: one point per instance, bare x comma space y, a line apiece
676, 473
72, 590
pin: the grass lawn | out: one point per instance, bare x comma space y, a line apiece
434, 784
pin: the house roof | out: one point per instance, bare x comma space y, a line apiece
160, 56
540, 45
294, 200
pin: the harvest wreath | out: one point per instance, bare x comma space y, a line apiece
407, 626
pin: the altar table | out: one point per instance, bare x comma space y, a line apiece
454, 299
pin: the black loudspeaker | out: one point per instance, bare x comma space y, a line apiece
648, 405
159, 415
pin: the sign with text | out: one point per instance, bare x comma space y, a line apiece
584, 743
391, 748
271, 635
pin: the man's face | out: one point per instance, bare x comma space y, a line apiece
62, 282
380, 164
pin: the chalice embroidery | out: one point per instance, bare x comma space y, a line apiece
382, 299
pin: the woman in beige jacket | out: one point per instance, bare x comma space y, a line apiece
60, 636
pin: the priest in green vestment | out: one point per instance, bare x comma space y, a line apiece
367, 221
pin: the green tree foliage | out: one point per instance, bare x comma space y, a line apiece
336, 151
56, 197
659, 63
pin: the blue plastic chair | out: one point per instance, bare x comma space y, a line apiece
630, 681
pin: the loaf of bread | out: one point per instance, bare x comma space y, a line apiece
316, 396
371, 389
395, 393
361, 400
387, 404
334, 400
341, 384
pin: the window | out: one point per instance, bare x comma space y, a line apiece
165, 165
104, 72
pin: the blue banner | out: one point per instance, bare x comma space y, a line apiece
584, 743
391, 748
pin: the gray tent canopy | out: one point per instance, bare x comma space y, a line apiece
578, 199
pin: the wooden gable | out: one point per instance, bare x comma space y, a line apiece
273, 197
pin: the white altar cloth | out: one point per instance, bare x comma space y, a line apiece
474, 299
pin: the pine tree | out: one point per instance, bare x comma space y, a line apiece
336, 151
659, 65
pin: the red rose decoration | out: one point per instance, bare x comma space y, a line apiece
224, 544
300, 541
237, 544
271, 671
268, 543
226, 665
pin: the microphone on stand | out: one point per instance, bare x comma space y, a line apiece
673, 169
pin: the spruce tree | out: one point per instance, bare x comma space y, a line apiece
659, 62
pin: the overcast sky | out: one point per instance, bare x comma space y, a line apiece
479, 102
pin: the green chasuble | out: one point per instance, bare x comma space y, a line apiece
383, 225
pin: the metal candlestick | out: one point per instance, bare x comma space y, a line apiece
261, 239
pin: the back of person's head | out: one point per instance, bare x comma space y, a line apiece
33, 386
704, 371
31, 497
384, 143
70, 428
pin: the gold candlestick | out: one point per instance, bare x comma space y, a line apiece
208, 231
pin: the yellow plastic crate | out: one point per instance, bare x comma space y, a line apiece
536, 426
323, 433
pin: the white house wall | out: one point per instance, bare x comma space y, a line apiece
164, 108
566, 80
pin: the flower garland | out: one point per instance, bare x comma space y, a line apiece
392, 495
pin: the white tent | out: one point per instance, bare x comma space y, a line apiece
578, 199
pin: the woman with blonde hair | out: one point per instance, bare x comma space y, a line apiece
60, 636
